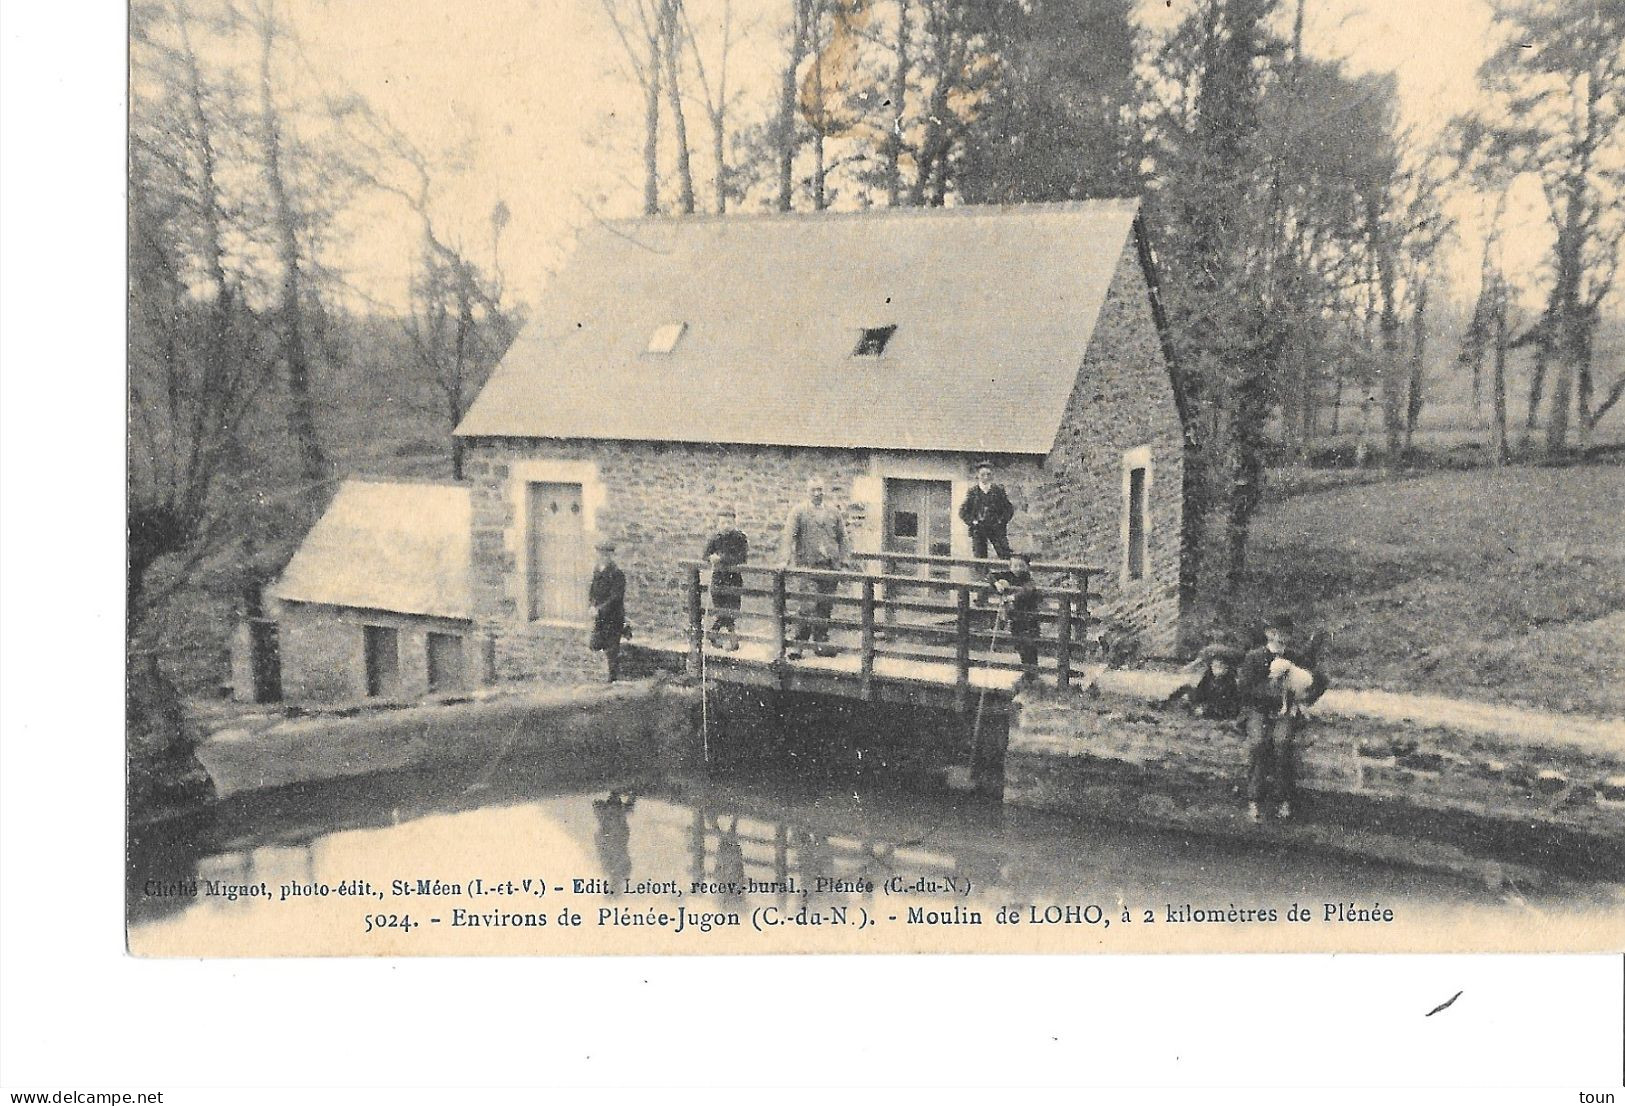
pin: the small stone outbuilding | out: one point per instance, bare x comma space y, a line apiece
375, 603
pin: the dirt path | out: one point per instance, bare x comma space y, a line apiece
1596, 735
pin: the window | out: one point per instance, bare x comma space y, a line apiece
666, 337
1136, 513
873, 341
1136, 523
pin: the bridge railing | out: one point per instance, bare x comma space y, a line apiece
880, 615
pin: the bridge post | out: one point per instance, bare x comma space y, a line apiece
868, 641
778, 614
1063, 647
696, 620
962, 647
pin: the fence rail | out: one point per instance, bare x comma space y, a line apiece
888, 615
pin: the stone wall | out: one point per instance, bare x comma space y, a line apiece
659, 500
1123, 401
324, 655
1406, 793
621, 733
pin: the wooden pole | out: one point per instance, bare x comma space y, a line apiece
1063, 647
696, 621
778, 613
868, 649
962, 646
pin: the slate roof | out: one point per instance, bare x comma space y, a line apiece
994, 307
388, 547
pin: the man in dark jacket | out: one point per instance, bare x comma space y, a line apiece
987, 512
1019, 593
1276, 680
727, 549
606, 598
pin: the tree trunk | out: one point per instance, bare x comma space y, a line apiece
787, 137
1413, 397
719, 156
1562, 403
899, 96
1498, 440
674, 95
651, 128
1388, 326
1537, 384
290, 310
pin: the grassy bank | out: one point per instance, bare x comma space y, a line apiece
1500, 585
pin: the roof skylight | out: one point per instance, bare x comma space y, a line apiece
666, 337
873, 341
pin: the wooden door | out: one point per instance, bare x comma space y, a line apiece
556, 548
383, 648
445, 657
266, 656
919, 516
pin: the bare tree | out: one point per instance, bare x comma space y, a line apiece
195, 365
288, 221
786, 138
640, 27
458, 327
672, 59
716, 99
1556, 102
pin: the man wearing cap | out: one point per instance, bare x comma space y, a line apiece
815, 537
1274, 681
606, 598
987, 512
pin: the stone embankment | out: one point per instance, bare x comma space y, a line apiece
630, 726
1493, 792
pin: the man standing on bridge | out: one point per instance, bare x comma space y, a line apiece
815, 537
987, 512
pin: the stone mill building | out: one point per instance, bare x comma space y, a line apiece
678, 365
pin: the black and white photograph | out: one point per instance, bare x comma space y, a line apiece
798, 476
795, 551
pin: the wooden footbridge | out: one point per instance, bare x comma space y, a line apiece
920, 630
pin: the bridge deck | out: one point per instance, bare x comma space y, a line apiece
920, 640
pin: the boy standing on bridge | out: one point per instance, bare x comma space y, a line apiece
727, 549
1275, 680
1018, 591
815, 537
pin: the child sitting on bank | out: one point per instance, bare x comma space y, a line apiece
1210, 689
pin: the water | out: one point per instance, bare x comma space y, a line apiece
750, 856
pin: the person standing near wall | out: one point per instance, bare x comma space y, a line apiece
815, 537
606, 599
727, 549
987, 512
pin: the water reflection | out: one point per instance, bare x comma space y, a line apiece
614, 836
756, 836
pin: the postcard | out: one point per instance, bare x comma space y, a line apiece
614, 477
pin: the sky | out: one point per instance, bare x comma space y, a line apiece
531, 102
